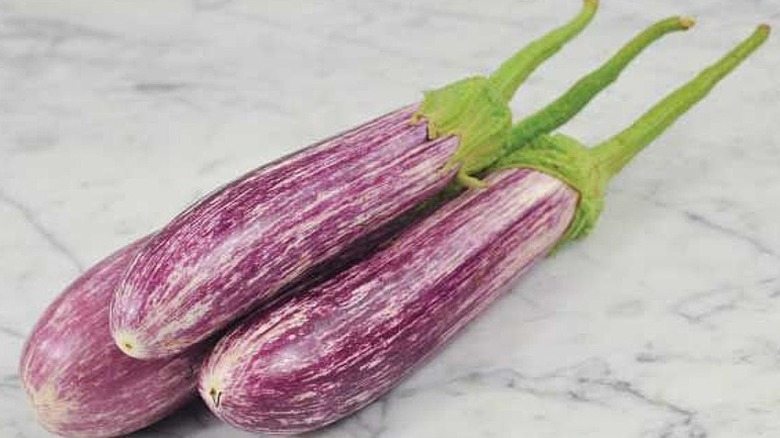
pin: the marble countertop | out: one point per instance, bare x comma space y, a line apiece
664, 323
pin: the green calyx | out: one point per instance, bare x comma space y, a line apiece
589, 170
476, 109
572, 162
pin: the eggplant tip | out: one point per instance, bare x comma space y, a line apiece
211, 390
216, 396
51, 410
129, 345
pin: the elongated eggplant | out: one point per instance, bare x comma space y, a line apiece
79, 382
243, 243
328, 352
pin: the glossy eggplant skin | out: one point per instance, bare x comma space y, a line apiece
327, 353
239, 246
79, 382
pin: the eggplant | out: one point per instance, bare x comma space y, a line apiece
79, 382
240, 245
330, 351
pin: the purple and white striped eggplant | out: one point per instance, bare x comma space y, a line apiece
330, 351
243, 243
326, 353
236, 248
79, 382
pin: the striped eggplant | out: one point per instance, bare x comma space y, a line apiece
79, 382
328, 352
240, 245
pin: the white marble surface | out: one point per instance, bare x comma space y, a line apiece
664, 323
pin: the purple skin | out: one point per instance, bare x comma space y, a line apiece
327, 353
79, 382
239, 246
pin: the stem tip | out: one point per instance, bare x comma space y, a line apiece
765, 29
591, 3
687, 22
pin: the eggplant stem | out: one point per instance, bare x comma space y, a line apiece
613, 154
515, 70
588, 170
476, 110
581, 93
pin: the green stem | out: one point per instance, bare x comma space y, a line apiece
588, 170
514, 71
570, 103
615, 153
